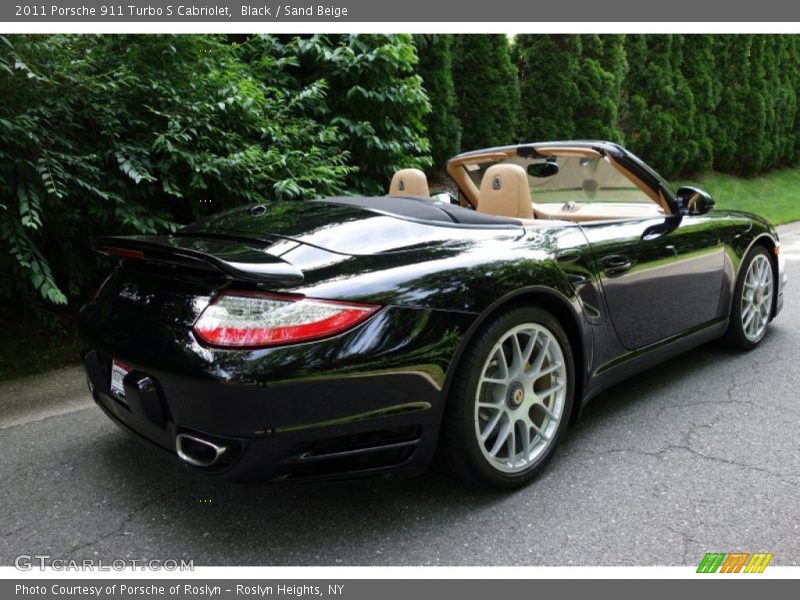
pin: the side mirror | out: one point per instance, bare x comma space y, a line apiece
693, 201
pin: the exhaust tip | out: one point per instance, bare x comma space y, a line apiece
198, 452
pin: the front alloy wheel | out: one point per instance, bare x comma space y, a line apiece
511, 399
757, 298
753, 300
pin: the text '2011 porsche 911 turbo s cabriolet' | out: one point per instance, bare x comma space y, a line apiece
355, 336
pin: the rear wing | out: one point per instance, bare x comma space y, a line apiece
233, 257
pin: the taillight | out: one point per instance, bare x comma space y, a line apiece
252, 319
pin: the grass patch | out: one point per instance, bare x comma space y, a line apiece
775, 195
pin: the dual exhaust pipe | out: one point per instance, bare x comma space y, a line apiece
198, 452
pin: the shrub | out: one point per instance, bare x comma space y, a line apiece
601, 73
436, 70
700, 71
487, 92
376, 101
733, 64
548, 68
658, 105
102, 134
135, 134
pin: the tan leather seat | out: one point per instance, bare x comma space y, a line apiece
409, 182
504, 192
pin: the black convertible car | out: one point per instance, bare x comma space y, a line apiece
355, 336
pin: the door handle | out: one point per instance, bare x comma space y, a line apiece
616, 265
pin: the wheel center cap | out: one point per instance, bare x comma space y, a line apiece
516, 394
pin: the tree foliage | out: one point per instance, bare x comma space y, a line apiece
135, 134
700, 101
658, 105
548, 67
376, 101
436, 70
602, 67
699, 69
487, 90
572, 86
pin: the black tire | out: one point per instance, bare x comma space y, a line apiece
735, 335
460, 448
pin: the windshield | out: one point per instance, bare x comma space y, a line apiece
570, 179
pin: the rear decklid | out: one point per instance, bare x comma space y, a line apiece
275, 245
287, 247
354, 226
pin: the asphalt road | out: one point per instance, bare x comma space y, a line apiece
699, 454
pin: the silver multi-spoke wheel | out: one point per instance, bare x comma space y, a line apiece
520, 398
757, 298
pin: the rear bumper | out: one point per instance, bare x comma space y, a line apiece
377, 414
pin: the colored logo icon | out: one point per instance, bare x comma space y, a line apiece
734, 562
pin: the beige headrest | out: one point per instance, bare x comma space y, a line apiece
409, 182
504, 192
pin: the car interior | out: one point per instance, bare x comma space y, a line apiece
559, 183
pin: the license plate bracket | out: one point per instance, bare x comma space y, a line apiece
118, 372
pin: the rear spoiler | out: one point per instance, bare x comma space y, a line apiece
232, 257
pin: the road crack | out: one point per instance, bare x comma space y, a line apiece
128, 518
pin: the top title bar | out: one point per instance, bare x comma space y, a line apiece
366, 11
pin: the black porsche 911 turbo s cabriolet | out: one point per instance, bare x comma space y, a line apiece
355, 336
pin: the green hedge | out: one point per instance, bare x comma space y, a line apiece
686, 103
436, 70
487, 91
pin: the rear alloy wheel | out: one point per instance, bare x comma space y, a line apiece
753, 300
512, 399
